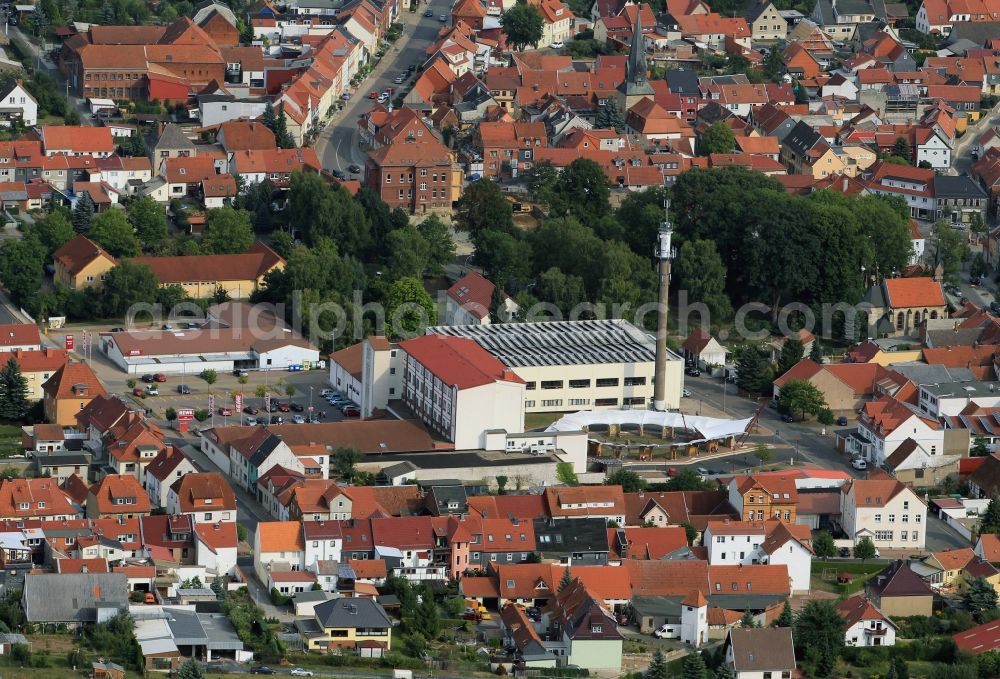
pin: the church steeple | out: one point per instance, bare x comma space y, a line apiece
636, 70
636, 86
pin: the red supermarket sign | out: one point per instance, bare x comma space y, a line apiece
185, 414
70, 342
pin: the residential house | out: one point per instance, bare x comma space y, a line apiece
885, 510
206, 496
117, 496
985, 481
866, 624
556, 22
885, 423
77, 140
572, 541
984, 638
357, 624
953, 569
753, 653
35, 499
406, 544
581, 631
846, 387
915, 185
899, 591
37, 367
415, 175
81, 263
603, 502
959, 199
703, 350
747, 543
470, 300
19, 337
278, 546
765, 22
274, 165
323, 541
916, 467
757, 498
17, 106
215, 546
68, 391
169, 465
132, 444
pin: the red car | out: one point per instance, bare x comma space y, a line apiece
160, 377
351, 412
223, 410
138, 391
284, 407
373, 95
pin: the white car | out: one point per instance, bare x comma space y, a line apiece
298, 419
859, 463
665, 632
557, 45
327, 392
299, 672
686, 393
703, 471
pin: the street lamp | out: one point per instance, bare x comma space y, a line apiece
310, 400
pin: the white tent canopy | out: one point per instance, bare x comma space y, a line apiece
708, 428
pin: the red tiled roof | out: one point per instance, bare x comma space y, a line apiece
78, 138
113, 487
914, 292
458, 361
79, 252
474, 293
74, 380
204, 491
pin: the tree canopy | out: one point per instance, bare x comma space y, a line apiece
523, 25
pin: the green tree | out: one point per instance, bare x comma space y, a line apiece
800, 396
898, 669
718, 138
344, 462
54, 230
725, 671
483, 207
566, 475
694, 667
566, 580
113, 232
792, 351
210, 376
703, 275
609, 117
227, 231
864, 549
763, 452
22, 268
408, 309
269, 117
690, 532
282, 137
686, 479
820, 629
979, 447
658, 666
816, 352
190, 669
170, 414
562, 290
753, 371
901, 149
542, 180
785, 619
407, 253
523, 25
823, 545
127, 284
427, 618
884, 223
627, 479
319, 211
980, 599
505, 259
83, 212
440, 246
149, 220
949, 246
585, 190
13, 391
989, 522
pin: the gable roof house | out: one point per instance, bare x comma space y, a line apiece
581, 631
68, 391
81, 263
117, 496
703, 350
73, 598
899, 591
866, 624
885, 510
206, 496
169, 465
757, 652
899, 305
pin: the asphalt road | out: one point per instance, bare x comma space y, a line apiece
962, 153
339, 143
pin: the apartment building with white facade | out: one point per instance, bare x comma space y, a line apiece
884, 424
885, 510
745, 543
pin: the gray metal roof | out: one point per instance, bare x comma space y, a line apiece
72, 597
57, 459
560, 342
962, 186
352, 613
921, 373
962, 389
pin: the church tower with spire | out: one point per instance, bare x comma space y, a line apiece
636, 86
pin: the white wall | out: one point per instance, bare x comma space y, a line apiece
322, 550
798, 560
855, 636
282, 357
876, 520
491, 406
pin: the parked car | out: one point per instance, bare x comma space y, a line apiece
225, 412
117, 329
773, 404
443, 18
339, 174
665, 632
272, 407
262, 669
277, 419
346, 96
299, 672
183, 389
351, 411
382, 98
399, 79
686, 393
138, 391
692, 371
283, 407
859, 463
152, 390
787, 417
148, 378
557, 45
841, 421
844, 552
251, 421
240, 373
703, 471
166, 326
250, 410
354, 169
975, 280
160, 377
297, 407
373, 95
298, 419
412, 67
429, 13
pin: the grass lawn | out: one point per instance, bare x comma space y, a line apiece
540, 420
824, 574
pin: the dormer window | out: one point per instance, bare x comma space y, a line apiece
208, 501
41, 505
23, 505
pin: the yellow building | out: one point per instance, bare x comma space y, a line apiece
81, 263
201, 275
66, 393
956, 567
36, 367
351, 623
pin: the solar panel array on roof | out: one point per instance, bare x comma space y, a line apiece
559, 342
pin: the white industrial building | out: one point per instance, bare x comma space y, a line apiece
578, 365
